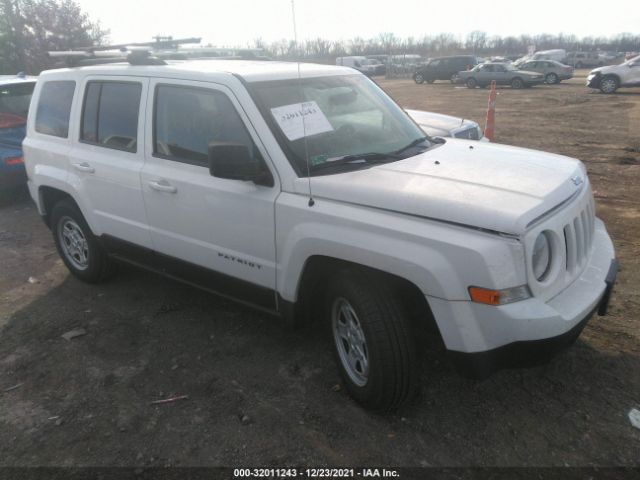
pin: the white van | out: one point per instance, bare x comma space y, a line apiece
368, 66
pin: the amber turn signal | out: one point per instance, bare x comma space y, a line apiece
483, 295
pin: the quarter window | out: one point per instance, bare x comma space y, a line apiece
54, 108
187, 120
110, 115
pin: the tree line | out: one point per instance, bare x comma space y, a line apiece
477, 42
31, 28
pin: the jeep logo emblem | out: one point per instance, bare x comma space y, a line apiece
577, 181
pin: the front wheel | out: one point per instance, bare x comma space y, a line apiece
551, 78
418, 78
609, 84
471, 83
372, 342
517, 83
78, 247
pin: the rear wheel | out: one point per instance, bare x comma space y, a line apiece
374, 348
471, 82
78, 247
418, 78
454, 78
609, 84
551, 78
517, 83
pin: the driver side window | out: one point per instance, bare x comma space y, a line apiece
187, 120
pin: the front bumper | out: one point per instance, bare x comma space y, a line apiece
481, 338
593, 81
532, 352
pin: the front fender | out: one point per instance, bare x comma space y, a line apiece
440, 259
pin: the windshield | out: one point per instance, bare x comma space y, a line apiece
346, 117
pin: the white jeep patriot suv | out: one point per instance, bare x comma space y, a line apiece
305, 191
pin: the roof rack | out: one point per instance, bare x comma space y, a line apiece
134, 53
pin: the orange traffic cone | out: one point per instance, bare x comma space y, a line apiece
490, 124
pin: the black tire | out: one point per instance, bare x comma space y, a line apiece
418, 78
551, 78
609, 84
471, 82
517, 83
387, 341
91, 266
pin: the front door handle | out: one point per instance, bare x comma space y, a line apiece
84, 167
162, 186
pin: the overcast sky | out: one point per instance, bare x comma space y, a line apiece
239, 22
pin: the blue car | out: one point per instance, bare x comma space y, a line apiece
15, 95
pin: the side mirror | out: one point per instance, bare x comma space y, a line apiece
234, 162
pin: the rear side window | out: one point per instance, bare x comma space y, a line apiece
110, 115
187, 120
54, 108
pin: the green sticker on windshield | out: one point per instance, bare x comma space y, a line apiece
318, 159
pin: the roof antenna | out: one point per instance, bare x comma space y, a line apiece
304, 129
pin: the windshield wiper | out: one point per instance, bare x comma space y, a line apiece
355, 159
417, 142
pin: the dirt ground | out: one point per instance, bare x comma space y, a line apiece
262, 395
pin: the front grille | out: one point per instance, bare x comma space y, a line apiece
470, 133
578, 238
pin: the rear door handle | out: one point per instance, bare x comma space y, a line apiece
84, 167
162, 186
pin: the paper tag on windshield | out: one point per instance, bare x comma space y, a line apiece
301, 119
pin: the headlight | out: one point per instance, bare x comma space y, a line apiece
541, 259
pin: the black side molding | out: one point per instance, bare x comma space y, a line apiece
220, 284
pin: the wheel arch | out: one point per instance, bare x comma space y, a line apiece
314, 280
49, 196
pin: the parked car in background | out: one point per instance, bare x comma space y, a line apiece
15, 96
439, 125
503, 74
444, 68
556, 54
583, 59
368, 66
609, 79
554, 72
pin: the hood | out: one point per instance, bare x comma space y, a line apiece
606, 69
437, 124
483, 185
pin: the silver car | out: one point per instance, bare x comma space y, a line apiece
503, 74
439, 125
554, 72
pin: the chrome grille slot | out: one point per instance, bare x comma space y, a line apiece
570, 244
578, 238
